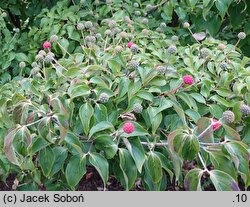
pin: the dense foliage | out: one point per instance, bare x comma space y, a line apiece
138, 90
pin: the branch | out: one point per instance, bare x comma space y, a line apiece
158, 144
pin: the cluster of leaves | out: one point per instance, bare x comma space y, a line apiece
36, 23
69, 111
16, 18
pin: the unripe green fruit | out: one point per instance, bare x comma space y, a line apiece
39, 57
134, 64
205, 52
174, 38
186, 25
108, 32
137, 13
34, 64
51, 54
118, 49
127, 19
42, 52
134, 48
136, 5
22, 64
242, 35
48, 58
123, 34
108, 1
145, 32
88, 24
149, 7
161, 69
53, 38
158, 29
98, 36
163, 25
245, 109
35, 70
228, 117
80, 26
137, 108
144, 21
172, 49
112, 23
104, 98
224, 65
221, 46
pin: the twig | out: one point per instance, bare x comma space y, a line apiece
202, 162
158, 144
172, 91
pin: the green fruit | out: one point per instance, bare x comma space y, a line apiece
245, 109
228, 117
137, 108
104, 98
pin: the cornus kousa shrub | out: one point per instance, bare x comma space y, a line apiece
164, 114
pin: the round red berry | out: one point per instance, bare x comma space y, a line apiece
188, 79
128, 127
46, 45
130, 44
216, 124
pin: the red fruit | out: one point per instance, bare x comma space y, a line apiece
216, 124
188, 79
46, 45
128, 127
130, 44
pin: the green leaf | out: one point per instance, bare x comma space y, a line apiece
101, 165
104, 125
46, 160
114, 66
9, 148
194, 115
38, 144
240, 156
149, 184
105, 142
86, 111
222, 181
231, 133
126, 171
190, 148
65, 44
164, 104
221, 101
155, 118
192, 3
74, 143
215, 110
60, 156
154, 167
198, 97
223, 163
223, 6
136, 150
78, 90
192, 181
75, 170
101, 113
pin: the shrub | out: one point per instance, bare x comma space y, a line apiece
160, 119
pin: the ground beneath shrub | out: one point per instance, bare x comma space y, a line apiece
93, 182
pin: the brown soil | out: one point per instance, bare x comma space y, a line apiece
93, 182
